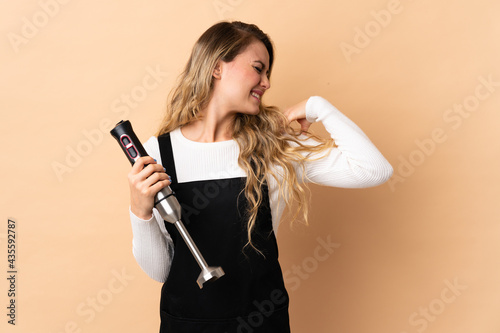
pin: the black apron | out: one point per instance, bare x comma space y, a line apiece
251, 296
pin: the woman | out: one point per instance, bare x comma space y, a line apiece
234, 164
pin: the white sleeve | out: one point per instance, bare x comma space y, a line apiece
152, 245
355, 162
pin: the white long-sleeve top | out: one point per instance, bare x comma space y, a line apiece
354, 163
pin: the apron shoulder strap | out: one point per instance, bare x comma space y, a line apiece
167, 156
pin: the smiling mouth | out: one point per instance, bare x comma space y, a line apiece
254, 94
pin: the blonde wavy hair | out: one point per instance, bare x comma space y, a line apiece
269, 146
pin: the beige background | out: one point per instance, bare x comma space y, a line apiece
65, 69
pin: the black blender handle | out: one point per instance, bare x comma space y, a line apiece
128, 141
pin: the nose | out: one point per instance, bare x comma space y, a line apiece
265, 83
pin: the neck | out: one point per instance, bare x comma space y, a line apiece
213, 125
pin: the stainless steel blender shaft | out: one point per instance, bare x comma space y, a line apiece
169, 208
208, 273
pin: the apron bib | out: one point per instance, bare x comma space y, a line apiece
251, 296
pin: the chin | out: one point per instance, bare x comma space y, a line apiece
253, 112
256, 112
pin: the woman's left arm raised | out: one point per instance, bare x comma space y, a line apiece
354, 163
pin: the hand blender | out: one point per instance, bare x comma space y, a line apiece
165, 201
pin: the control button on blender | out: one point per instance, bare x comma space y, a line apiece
125, 141
132, 152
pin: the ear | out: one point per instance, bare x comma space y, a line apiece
217, 71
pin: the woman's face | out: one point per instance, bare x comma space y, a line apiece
240, 84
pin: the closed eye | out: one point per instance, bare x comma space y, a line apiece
259, 66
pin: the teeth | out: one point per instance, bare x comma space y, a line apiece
256, 95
